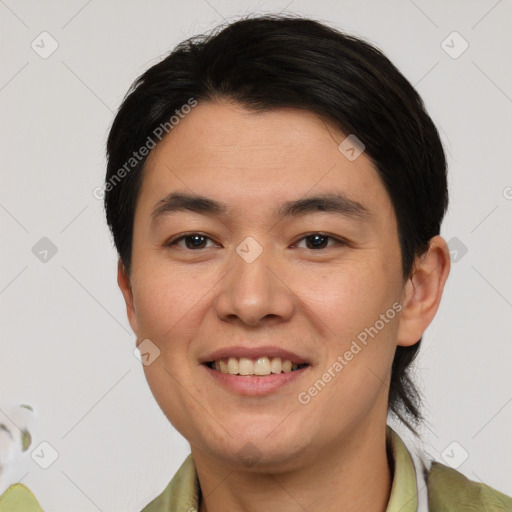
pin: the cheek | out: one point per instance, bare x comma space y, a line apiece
164, 298
165, 303
359, 344
350, 297
357, 305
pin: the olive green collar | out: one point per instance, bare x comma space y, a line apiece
404, 489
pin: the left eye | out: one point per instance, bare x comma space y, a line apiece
318, 241
314, 241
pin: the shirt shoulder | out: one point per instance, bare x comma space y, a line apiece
182, 492
451, 491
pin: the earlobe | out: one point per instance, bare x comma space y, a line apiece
125, 286
423, 291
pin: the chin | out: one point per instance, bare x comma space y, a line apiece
260, 454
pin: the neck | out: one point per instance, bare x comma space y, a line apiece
352, 476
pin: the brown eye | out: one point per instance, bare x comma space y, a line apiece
193, 241
317, 241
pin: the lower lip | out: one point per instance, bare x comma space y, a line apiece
255, 385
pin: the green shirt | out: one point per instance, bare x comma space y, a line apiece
448, 490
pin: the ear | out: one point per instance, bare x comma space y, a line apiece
125, 286
423, 291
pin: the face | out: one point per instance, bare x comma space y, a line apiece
315, 283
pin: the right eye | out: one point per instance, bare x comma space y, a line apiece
193, 241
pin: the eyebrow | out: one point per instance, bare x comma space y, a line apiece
335, 203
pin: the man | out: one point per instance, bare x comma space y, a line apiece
275, 192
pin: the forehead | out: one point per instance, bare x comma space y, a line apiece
250, 159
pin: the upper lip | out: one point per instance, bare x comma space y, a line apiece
253, 353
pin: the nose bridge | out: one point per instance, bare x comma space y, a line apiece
251, 290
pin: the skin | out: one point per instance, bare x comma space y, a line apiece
329, 454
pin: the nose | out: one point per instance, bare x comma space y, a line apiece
255, 292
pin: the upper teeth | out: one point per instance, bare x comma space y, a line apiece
260, 366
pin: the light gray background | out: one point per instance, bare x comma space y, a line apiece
66, 346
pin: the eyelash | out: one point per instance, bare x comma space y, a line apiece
339, 241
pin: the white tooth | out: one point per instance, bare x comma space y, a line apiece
216, 365
245, 366
223, 366
233, 365
287, 366
262, 366
275, 365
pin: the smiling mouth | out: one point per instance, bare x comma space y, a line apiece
259, 367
